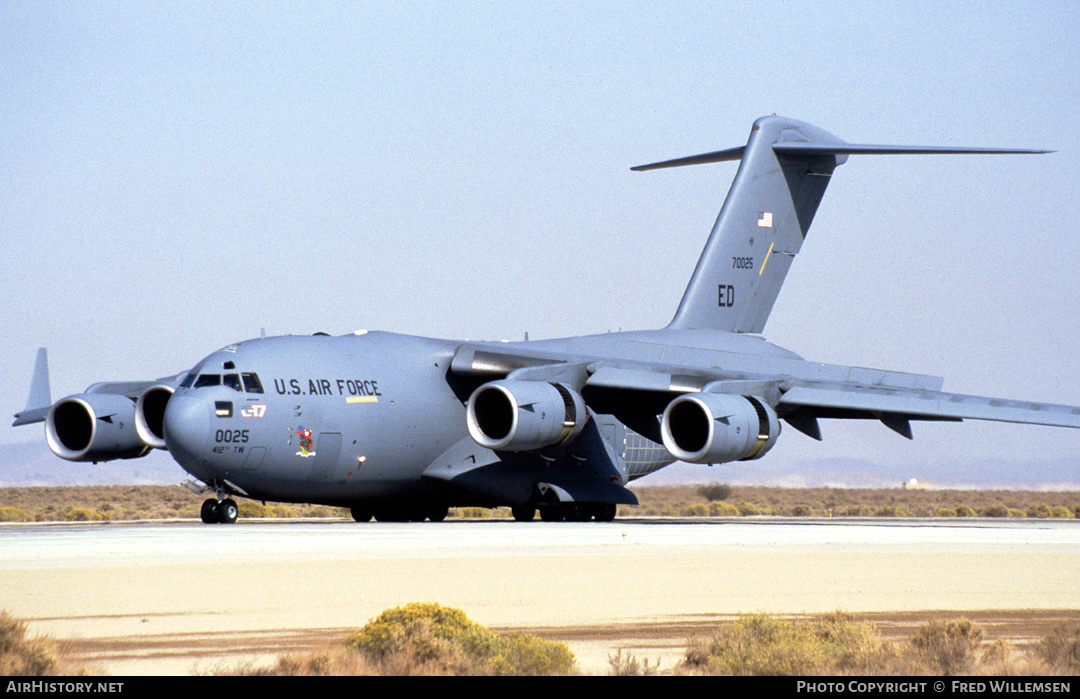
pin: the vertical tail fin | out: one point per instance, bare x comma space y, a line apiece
760, 228
786, 166
40, 399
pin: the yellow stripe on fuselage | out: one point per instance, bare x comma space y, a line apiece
766, 260
362, 399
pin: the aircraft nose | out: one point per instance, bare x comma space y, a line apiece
187, 424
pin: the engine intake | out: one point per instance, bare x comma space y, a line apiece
510, 415
93, 427
150, 415
714, 428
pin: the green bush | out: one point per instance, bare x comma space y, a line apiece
965, 511
802, 511
424, 638
253, 510
524, 654
747, 509
71, 513
13, 514
723, 509
763, 645
1040, 511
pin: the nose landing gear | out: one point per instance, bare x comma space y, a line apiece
219, 511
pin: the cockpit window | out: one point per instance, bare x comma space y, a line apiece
188, 380
208, 380
252, 383
233, 382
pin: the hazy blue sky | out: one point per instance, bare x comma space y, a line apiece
176, 176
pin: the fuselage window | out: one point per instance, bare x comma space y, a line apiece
252, 383
188, 380
208, 380
233, 382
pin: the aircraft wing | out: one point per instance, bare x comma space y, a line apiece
638, 392
846, 400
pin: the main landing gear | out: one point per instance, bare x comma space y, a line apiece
219, 512
434, 513
568, 512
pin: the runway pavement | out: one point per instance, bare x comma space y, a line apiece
239, 590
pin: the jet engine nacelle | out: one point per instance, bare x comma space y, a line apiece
713, 428
150, 415
511, 415
93, 427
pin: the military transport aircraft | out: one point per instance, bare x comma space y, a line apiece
402, 428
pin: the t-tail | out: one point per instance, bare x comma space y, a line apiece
786, 167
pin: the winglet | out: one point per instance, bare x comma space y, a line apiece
40, 399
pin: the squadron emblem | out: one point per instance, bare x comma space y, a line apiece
307, 445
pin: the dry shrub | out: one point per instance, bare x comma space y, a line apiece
423, 638
628, 666
948, 647
715, 492
1061, 649
20, 656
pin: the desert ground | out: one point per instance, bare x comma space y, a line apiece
186, 598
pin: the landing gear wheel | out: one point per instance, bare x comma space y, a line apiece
438, 513
360, 514
523, 513
228, 511
576, 512
209, 512
551, 514
605, 512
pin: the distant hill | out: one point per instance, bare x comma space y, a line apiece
988, 474
31, 463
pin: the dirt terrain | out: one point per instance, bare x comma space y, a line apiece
661, 641
184, 598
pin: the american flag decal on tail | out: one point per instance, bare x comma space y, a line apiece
764, 219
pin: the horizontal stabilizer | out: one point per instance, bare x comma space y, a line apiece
798, 148
714, 157
810, 148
